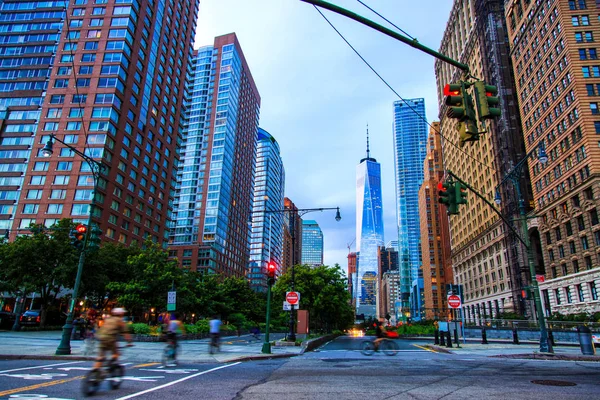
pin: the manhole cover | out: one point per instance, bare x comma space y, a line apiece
554, 383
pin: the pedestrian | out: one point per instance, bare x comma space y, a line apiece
215, 329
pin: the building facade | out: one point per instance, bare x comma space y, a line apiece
389, 304
351, 274
369, 233
106, 79
388, 262
312, 243
558, 80
213, 201
266, 240
435, 240
292, 235
487, 259
410, 133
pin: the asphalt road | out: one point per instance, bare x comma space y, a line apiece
337, 370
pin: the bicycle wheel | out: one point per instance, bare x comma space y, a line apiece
116, 376
367, 348
91, 382
167, 356
389, 347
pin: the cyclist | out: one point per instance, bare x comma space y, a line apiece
381, 334
109, 333
174, 328
215, 327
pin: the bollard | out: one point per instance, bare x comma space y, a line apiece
436, 336
515, 336
442, 338
483, 336
456, 337
551, 338
585, 341
449, 339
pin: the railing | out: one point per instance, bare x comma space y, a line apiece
530, 324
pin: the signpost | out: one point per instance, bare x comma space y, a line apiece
454, 301
292, 297
171, 300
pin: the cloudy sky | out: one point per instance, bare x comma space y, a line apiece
318, 96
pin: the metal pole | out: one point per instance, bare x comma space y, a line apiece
292, 333
266, 348
545, 346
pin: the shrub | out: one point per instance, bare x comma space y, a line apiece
140, 329
202, 326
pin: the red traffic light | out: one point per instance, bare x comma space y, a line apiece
441, 187
81, 228
451, 90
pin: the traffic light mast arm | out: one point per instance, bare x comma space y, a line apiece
411, 42
486, 201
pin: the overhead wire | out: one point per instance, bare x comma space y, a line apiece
400, 97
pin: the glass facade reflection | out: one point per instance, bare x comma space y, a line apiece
369, 234
312, 243
410, 135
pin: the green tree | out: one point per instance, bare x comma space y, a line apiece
323, 292
43, 262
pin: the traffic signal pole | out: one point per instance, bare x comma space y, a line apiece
266, 348
386, 31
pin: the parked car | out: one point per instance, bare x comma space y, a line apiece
7, 319
30, 318
596, 339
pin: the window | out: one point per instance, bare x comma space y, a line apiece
589, 37
558, 233
83, 195
38, 180
584, 243
34, 194
88, 57
30, 208
594, 108
580, 295
61, 180
580, 223
57, 99
79, 99
90, 46
593, 290
86, 69
593, 54
41, 166
575, 266
64, 166
80, 209
578, 37
85, 82
54, 113
568, 293
548, 238
594, 217
557, 296
54, 209
58, 194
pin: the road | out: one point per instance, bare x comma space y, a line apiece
335, 371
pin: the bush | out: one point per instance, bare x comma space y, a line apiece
140, 329
202, 326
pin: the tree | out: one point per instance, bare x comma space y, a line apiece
43, 263
323, 292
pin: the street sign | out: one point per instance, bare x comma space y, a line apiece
540, 278
292, 297
171, 300
454, 301
288, 307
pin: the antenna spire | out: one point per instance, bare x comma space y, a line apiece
368, 152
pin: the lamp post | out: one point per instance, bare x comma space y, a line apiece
96, 168
513, 176
300, 212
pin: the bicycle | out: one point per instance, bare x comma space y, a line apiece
89, 344
213, 345
387, 346
111, 371
170, 352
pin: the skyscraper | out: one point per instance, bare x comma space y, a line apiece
435, 236
410, 133
292, 235
213, 201
312, 243
369, 233
266, 241
109, 79
487, 260
557, 82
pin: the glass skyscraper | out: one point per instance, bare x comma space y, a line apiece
312, 243
410, 135
266, 240
213, 201
369, 234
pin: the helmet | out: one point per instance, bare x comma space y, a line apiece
118, 311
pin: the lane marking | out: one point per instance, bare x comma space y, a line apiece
146, 365
176, 382
425, 348
40, 366
39, 385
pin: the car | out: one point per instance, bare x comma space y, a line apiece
7, 319
596, 339
30, 318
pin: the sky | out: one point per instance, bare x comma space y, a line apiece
317, 96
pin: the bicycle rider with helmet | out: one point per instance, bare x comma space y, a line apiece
108, 335
381, 334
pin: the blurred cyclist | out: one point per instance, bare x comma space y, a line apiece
174, 328
215, 328
109, 333
381, 334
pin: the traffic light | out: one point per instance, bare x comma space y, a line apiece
486, 97
525, 294
271, 269
460, 107
460, 196
77, 236
446, 194
94, 239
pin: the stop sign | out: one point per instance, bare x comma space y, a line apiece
292, 297
453, 301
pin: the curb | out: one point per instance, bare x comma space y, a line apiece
548, 356
42, 357
439, 349
261, 357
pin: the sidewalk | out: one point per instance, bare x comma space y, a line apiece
43, 344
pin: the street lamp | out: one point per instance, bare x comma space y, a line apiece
301, 212
96, 168
513, 176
